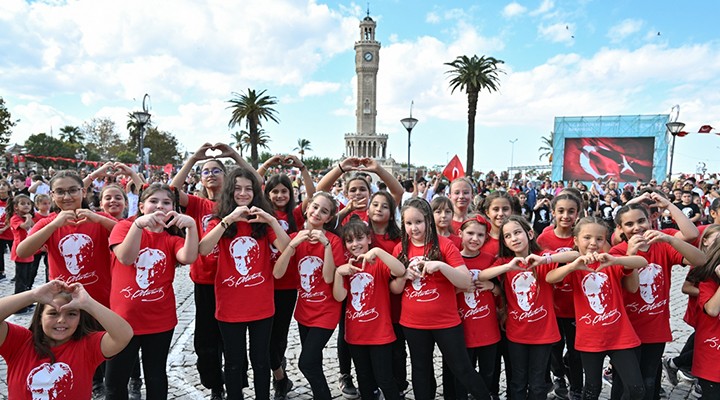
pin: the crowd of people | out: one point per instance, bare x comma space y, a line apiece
544, 279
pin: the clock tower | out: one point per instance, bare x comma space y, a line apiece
365, 142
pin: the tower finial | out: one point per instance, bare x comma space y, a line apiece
368, 9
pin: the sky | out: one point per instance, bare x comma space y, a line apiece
66, 62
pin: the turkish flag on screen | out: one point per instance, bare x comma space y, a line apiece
454, 169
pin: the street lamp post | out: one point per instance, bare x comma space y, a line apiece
512, 156
674, 128
409, 124
142, 118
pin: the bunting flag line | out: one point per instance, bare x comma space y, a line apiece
95, 164
705, 129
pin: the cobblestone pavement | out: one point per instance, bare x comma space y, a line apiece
185, 382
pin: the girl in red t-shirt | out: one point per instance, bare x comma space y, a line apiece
595, 279
707, 324
207, 338
313, 253
242, 230
146, 251
498, 207
60, 351
20, 217
442, 209
461, 195
531, 326
565, 209
281, 195
649, 308
6, 236
368, 326
76, 238
435, 269
477, 308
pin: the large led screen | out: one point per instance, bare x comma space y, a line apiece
624, 159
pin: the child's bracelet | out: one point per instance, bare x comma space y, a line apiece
341, 170
548, 259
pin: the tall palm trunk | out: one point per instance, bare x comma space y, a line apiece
254, 122
472, 111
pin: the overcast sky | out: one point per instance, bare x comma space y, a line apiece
65, 62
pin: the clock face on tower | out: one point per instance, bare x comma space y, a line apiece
368, 56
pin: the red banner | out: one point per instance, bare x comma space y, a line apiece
454, 169
622, 159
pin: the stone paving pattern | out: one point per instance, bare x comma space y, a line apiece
184, 381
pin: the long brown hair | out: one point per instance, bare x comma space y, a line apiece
431, 242
86, 325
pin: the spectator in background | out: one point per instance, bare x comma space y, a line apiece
38, 186
19, 186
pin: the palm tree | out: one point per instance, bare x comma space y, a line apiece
303, 145
472, 75
546, 149
253, 107
263, 139
241, 141
71, 134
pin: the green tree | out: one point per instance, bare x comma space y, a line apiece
43, 144
315, 163
472, 75
164, 147
546, 147
6, 125
253, 107
71, 134
102, 138
302, 147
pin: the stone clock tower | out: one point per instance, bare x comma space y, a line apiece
365, 142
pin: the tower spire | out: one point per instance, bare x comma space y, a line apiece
368, 9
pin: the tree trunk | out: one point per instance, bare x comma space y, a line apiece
472, 111
254, 142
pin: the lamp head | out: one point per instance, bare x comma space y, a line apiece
409, 123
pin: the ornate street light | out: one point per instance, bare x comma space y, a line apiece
674, 127
142, 118
409, 124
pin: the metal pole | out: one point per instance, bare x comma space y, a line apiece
142, 155
409, 130
672, 156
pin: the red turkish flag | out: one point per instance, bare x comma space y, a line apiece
454, 169
168, 168
682, 133
705, 129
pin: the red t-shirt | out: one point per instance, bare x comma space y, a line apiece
455, 226
382, 241
290, 279
429, 302
7, 234
491, 246
142, 293
477, 309
19, 234
367, 312
455, 239
244, 281
562, 292
80, 254
531, 315
316, 307
707, 337
600, 315
31, 377
649, 308
202, 271
360, 213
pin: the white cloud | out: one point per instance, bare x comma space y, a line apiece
513, 9
619, 32
315, 88
432, 18
544, 7
560, 32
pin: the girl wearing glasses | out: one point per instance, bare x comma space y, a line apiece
208, 342
76, 238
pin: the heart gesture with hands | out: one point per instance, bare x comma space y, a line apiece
347, 270
221, 150
240, 213
277, 159
301, 236
318, 236
292, 161
79, 298
481, 286
201, 153
534, 260
653, 236
413, 272
637, 243
70, 218
431, 267
46, 293
358, 204
258, 215
354, 164
518, 264
158, 220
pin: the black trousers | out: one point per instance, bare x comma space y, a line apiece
451, 342
649, 359
399, 358
155, 348
529, 367
313, 342
5, 246
484, 357
343, 349
500, 355
374, 369
207, 338
684, 359
23, 272
557, 364
284, 306
625, 362
235, 351
710, 390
